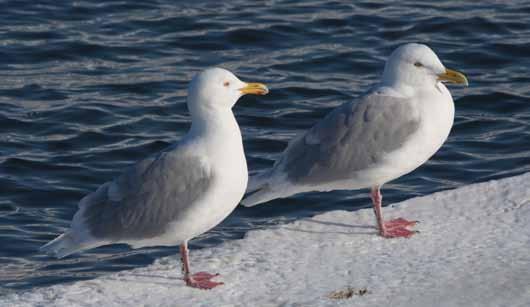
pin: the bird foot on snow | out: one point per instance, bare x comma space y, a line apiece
202, 280
397, 228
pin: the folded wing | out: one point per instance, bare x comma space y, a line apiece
148, 196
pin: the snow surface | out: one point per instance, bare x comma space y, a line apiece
473, 250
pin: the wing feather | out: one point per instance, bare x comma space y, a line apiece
146, 197
349, 139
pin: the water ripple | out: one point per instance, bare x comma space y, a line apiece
89, 88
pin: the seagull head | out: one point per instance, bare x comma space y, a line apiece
417, 65
218, 88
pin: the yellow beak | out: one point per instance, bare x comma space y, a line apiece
255, 89
453, 76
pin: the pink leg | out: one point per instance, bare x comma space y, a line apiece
201, 280
394, 228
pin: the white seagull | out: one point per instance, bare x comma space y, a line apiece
179, 193
382, 135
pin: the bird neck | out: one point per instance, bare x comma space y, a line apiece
220, 121
398, 87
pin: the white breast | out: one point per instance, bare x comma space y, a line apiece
224, 150
436, 111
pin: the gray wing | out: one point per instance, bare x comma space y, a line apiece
141, 202
351, 138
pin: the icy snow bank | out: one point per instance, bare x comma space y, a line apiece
473, 250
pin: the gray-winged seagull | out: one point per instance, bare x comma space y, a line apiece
382, 135
179, 193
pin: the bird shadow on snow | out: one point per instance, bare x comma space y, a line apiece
367, 232
165, 280
151, 279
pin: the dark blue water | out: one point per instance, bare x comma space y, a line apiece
86, 89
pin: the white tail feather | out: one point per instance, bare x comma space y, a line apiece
264, 194
64, 245
257, 181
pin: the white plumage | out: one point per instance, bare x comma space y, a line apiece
382, 135
181, 192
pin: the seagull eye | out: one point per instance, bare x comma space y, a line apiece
227, 84
418, 64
